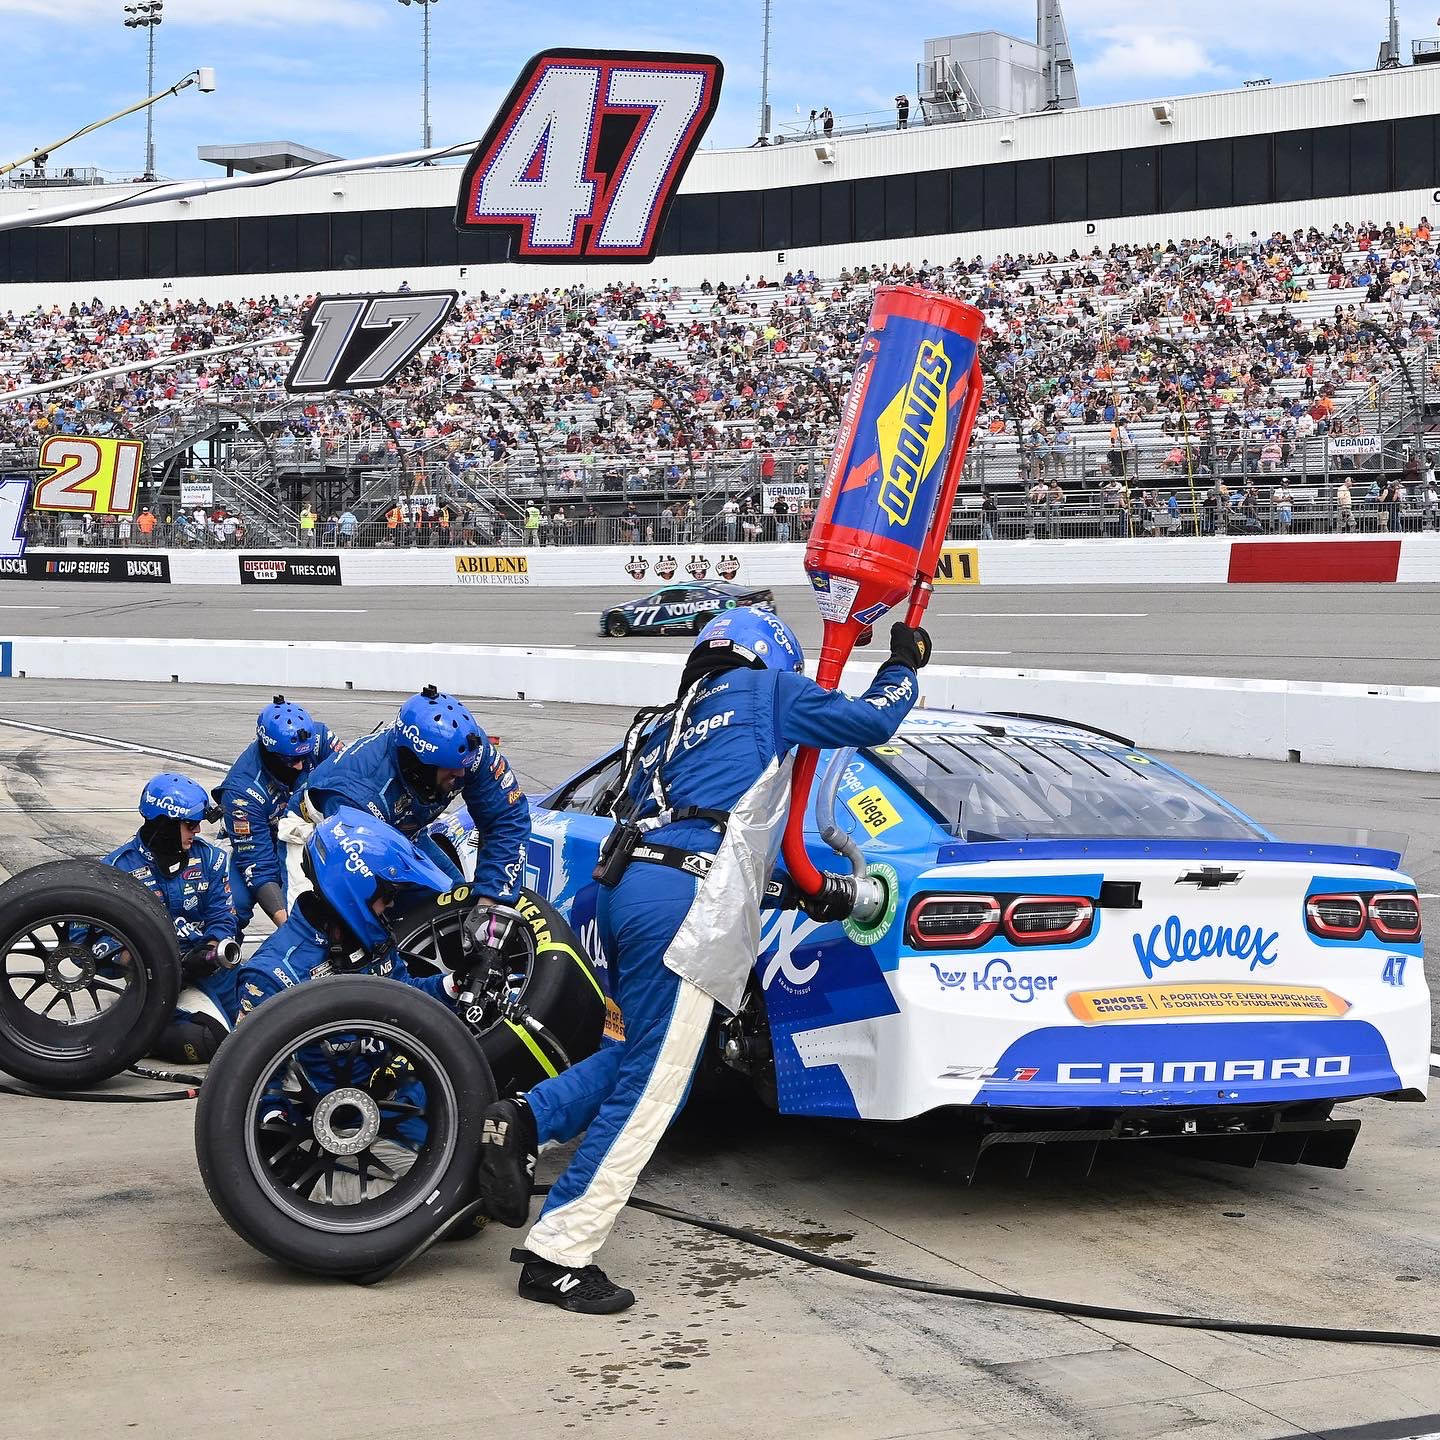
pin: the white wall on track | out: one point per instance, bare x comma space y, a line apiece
1387, 727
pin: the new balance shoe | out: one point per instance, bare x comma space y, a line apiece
508, 1148
586, 1289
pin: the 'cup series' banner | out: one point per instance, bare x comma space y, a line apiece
68, 565
290, 570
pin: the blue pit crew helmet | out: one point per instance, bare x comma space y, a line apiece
175, 797
435, 732
352, 858
165, 801
285, 730
759, 637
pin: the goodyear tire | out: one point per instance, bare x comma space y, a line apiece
70, 1016
616, 625
554, 983
312, 1161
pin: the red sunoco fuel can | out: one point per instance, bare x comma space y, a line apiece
900, 441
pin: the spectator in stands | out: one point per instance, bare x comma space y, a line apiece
1345, 506
730, 514
781, 510
1390, 505
1282, 506
989, 515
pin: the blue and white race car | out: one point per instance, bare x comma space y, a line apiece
1081, 944
681, 609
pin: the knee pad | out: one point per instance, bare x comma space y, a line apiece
190, 1040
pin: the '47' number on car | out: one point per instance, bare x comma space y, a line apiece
356, 342
14, 490
584, 158
92, 476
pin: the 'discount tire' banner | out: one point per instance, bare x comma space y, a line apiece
290, 570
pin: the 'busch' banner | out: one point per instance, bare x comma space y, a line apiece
73, 565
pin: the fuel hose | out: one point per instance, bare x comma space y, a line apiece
1073, 1309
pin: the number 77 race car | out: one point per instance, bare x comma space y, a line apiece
1081, 944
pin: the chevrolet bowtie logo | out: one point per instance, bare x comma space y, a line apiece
1210, 877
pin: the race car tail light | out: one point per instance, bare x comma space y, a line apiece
1335, 917
1395, 915
953, 922
1048, 919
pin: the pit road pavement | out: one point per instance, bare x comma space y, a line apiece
132, 1310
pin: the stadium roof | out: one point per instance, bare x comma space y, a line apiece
262, 155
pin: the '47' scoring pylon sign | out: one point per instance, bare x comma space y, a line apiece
583, 159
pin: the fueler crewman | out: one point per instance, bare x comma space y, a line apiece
701, 802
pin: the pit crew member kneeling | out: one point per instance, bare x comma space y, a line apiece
703, 792
356, 867
406, 775
190, 877
289, 742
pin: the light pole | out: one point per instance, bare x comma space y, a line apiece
765, 77
146, 15
424, 62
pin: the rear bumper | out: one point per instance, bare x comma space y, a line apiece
1239, 1135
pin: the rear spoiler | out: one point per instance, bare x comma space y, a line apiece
1078, 848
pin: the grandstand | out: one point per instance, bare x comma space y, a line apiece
1225, 302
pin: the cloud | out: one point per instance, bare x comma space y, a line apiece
1148, 55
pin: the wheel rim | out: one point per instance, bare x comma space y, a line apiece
615, 625
335, 1150
438, 944
58, 996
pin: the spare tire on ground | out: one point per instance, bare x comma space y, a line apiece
89, 973
340, 1123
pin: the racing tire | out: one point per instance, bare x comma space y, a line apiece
560, 988
43, 961
616, 625
275, 1209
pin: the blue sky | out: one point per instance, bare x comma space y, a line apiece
344, 75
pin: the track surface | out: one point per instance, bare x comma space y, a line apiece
131, 1309
1376, 634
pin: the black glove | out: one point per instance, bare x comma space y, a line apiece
834, 901
909, 646
199, 961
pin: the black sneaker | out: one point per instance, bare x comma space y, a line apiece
587, 1290
507, 1161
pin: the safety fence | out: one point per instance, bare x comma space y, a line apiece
437, 522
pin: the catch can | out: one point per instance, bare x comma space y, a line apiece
898, 456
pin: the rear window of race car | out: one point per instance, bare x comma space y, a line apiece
998, 787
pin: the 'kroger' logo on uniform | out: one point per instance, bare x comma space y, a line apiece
1208, 942
418, 743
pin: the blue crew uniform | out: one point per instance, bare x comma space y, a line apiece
253, 799
367, 775
196, 896
738, 722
